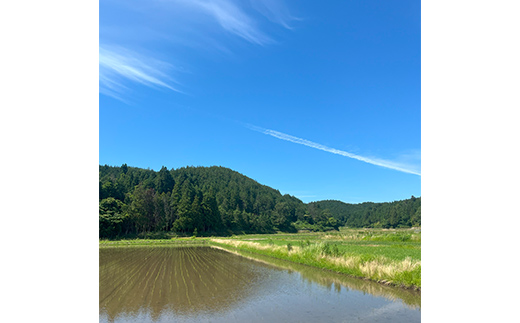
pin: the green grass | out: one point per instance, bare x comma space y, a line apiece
388, 243
389, 256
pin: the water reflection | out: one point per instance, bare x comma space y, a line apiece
185, 280
339, 282
163, 284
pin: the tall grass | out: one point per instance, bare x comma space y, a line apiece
329, 255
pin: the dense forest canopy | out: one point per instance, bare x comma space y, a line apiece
218, 200
405, 213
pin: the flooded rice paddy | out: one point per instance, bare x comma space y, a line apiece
200, 284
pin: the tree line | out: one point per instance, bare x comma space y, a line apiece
397, 214
206, 200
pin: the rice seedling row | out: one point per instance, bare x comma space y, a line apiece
111, 277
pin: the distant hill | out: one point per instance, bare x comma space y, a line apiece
216, 200
395, 214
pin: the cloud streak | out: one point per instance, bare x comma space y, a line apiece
275, 11
231, 18
374, 161
185, 24
118, 66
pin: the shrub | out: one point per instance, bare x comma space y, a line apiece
329, 249
305, 243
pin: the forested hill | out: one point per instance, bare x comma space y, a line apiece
211, 200
405, 213
206, 199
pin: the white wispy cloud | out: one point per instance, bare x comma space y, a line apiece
374, 161
118, 66
199, 25
232, 18
274, 10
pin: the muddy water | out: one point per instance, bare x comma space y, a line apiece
198, 284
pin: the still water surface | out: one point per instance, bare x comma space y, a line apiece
203, 284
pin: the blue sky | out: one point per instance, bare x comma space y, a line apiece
320, 100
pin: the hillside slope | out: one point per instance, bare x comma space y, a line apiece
216, 200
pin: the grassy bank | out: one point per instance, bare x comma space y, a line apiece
386, 256
390, 257
331, 279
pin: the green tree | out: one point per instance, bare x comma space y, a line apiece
196, 214
211, 214
142, 208
281, 215
332, 222
111, 217
164, 181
